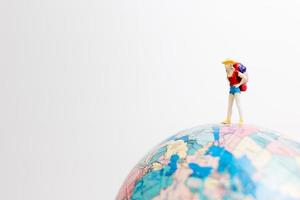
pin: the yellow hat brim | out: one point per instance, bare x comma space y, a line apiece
228, 61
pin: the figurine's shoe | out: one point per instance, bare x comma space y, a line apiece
226, 121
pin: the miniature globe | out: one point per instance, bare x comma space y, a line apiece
218, 162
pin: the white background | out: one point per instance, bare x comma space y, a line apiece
89, 86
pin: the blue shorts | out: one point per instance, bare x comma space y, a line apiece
234, 90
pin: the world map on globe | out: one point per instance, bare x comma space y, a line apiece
215, 162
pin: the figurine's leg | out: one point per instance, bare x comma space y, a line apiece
238, 105
229, 109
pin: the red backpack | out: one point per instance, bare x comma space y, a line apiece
241, 68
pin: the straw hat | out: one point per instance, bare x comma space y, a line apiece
228, 61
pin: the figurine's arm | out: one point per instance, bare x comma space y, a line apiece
243, 77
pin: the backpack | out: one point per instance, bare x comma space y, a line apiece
241, 68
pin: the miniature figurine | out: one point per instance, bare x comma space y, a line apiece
237, 77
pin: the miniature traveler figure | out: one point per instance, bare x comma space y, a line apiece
237, 77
